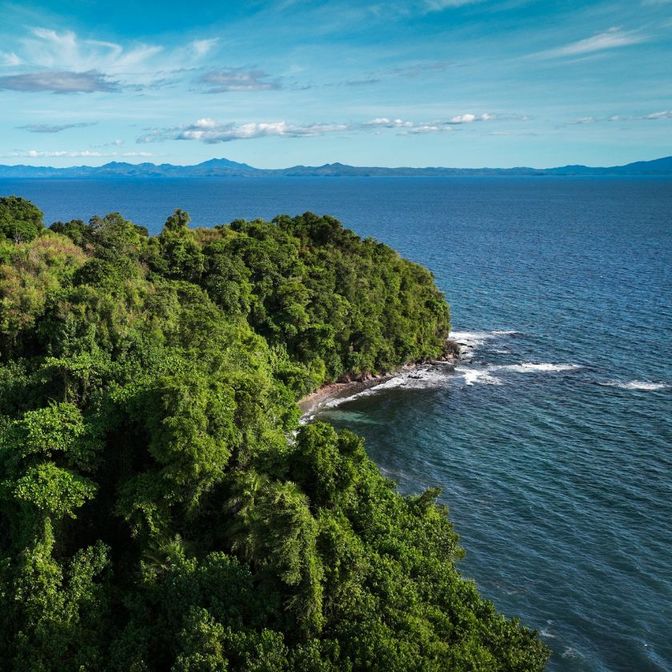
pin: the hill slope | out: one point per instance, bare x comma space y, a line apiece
160, 507
226, 168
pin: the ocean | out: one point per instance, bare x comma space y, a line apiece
552, 440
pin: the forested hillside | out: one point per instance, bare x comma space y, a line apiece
161, 508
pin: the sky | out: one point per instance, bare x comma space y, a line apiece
275, 83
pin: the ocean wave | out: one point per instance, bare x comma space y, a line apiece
416, 379
570, 652
474, 376
484, 375
642, 385
471, 340
541, 367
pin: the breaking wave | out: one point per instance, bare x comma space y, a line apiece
469, 341
543, 367
642, 385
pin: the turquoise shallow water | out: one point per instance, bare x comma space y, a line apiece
553, 440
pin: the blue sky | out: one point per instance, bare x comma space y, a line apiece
280, 82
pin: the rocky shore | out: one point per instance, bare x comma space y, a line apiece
348, 386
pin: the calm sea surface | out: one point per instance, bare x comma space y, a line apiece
553, 442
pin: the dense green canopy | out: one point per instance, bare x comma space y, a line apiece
161, 508
20, 220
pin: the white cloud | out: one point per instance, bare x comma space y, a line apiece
440, 5
582, 121
470, 118
665, 114
404, 127
47, 52
85, 153
49, 48
429, 126
653, 116
609, 39
211, 131
9, 59
55, 128
237, 79
204, 47
420, 129
384, 122
59, 82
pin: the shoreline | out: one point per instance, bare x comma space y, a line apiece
314, 401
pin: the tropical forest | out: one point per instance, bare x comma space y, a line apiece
162, 504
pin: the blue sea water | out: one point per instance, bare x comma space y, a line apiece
552, 441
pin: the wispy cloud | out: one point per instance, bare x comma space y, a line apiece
54, 128
65, 62
368, 81
435, 126
204, 47
9, 59
609, 39
440, 5
470, 118
212, 131
420, 68
653, 116
237, 79
65, 50
582, 121
84, 153
411, 71
665, 114
59, 82
384, 122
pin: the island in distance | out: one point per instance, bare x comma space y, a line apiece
227, 168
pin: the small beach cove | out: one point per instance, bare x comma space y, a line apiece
332, 394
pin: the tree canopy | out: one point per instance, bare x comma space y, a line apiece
20, 220
161, 508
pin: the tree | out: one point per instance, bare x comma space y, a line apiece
20, 220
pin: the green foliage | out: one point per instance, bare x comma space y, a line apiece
20, 220
160, 507
178, 255
54, 491
33, 274
75, 229
59, 614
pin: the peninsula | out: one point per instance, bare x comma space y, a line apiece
160, 506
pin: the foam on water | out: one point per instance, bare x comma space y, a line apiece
415, 379
469, 341
484, 374
474, 376
433, 376
542, 367
641, 385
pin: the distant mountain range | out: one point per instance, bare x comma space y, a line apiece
226, 168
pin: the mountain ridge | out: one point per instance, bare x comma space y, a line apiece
222, 167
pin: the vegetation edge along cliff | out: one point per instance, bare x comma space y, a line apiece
161, 508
